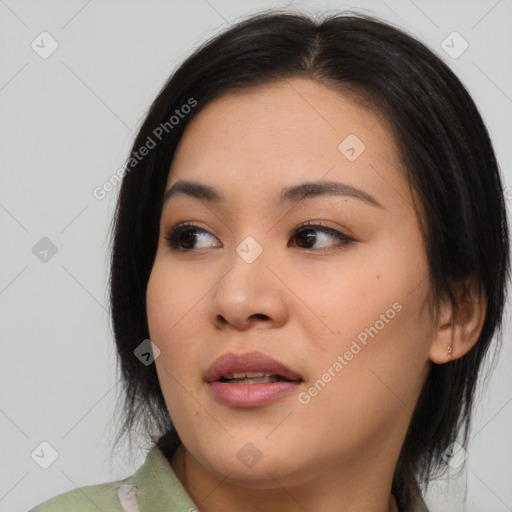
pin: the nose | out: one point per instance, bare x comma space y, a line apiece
249, 295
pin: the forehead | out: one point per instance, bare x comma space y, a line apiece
294, 130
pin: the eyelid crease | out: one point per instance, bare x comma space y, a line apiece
173, 233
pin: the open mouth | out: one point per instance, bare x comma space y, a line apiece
250, 380
240, 378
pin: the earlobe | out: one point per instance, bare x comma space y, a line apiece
459, 328
442, 347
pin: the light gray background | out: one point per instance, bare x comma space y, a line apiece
66, 126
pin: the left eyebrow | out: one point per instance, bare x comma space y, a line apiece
295, 193
310, 189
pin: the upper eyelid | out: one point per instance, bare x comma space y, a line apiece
311, 224
192, 224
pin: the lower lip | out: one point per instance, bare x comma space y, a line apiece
250, 395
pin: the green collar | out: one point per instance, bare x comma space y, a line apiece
158, 487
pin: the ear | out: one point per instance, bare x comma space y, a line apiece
458, 330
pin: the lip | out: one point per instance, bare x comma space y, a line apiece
249, 395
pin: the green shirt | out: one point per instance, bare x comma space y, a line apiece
153, 488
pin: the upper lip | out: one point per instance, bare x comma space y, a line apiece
248, 362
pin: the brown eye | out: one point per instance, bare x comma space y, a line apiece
185, 236
310, 234
189, 237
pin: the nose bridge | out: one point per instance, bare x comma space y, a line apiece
249, 291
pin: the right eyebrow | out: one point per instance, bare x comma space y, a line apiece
194, 189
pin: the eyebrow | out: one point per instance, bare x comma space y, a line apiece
295, 193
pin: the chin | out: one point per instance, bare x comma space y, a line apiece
250, 467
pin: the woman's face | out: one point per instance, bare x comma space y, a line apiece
341, 302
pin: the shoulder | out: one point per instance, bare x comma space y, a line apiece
153, 485
90, 498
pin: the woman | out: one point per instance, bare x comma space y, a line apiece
310, 261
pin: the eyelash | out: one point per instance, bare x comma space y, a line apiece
174, 233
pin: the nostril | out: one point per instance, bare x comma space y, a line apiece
221, 320
259, 316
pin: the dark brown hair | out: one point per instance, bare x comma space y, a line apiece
448, 160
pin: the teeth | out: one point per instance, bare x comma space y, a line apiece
259, 377
243, 375
256, 380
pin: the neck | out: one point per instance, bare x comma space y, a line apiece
363, 490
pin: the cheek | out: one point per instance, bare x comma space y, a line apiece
379, 324
173, 306
370, 278
173, 299
365, 383
174, 309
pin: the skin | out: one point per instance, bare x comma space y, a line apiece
303, 305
